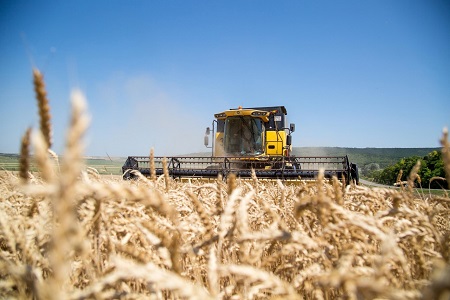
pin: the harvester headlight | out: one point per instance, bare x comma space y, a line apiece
258, 113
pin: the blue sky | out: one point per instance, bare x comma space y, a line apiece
350, 73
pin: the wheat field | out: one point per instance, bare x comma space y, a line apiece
68, 233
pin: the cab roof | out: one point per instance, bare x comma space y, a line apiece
279, 109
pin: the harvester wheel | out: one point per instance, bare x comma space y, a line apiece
354, 173
130, 175
127, 175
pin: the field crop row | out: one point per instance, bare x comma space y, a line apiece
73, 234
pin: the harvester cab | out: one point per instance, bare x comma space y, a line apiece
248, 142
251, 132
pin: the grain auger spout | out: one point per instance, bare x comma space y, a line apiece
247, 140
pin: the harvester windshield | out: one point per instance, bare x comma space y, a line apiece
243, 136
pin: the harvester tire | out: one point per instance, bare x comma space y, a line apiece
354, 173
127, 175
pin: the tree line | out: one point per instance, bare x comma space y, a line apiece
431, 170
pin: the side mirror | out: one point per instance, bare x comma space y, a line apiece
292, 127
208, 131
206, 141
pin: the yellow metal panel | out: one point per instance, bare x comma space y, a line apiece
264, 115
275, 140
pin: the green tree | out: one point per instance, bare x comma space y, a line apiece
369, 169
432, 165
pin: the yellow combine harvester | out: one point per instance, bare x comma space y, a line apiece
246, 139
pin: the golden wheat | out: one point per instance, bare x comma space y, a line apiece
25, 156
152, 165
446, 153
43, 107
68, 233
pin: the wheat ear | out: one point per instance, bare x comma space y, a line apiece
219, 196
152, 275
166, 174
255, 181
413, 175
204, 216
25, 156
446, 154
152, 166
337, 191
43, 107
260, 279
231, 183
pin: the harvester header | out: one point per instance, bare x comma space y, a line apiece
248, 141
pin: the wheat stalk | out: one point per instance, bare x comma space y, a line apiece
41, 156
67, 235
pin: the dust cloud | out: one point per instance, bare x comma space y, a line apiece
143, 115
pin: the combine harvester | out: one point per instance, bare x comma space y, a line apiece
246, 139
